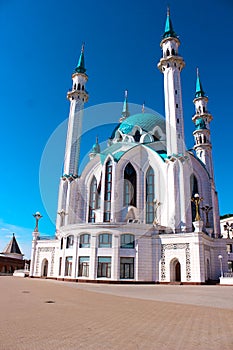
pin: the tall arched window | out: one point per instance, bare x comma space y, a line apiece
108, 192
193, 191
130, 186
150, 195
93, 200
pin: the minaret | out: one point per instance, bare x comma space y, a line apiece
201, 134
125, 110
77, 96
171, 65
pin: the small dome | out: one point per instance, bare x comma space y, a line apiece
146, 121
95, 148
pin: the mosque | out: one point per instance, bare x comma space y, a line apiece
145, 209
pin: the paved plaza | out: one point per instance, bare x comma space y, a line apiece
43, 314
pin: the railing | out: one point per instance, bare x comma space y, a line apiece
228, 274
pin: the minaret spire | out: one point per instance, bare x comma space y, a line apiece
199, 90
125, 110
169, 31
81, 62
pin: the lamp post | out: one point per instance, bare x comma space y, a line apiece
37, 216
62, 214
220, 261
206, 210
197, 200
229, 228
156, 206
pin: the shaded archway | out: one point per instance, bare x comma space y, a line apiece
175, 271
44, 268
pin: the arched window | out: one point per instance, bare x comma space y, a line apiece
127, 241
62, 243
85, 240
137, 136
193, 191
130, 186
168, 52
82, 87
105, 240
93, 200
70, 241
74, 86
108, 192
150, 195
79, 86
173, 52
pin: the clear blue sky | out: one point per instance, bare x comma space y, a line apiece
40, 46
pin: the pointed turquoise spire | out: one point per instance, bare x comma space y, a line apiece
125, 110
199, 90
169, 32
81, 64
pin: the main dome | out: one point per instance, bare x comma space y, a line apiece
146, 121
141, 127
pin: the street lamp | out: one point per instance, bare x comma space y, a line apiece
197, 200
37, 216
220, 261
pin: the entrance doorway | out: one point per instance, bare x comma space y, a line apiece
44, 268
175, 271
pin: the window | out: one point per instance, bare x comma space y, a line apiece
104, 267
85, 241
61, 243
193, 190
173, 52
150, 196
130, 182
60, 264
68, 266
168, 52
229, 248
70, 241
105, 240
83, 267
177, 105
137, 136
108, 192
94, 200
79, 86
127, 241
178, 120
126, 268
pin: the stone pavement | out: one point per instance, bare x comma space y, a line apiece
44, 314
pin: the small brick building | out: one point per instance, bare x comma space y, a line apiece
11, 258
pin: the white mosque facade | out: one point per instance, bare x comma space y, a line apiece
143, 210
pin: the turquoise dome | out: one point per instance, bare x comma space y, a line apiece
146, 121
96, 148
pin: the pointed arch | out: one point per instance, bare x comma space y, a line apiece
150, 195
130, 186
175, 270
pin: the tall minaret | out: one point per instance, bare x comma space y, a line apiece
77, 96
171, 65
201, 134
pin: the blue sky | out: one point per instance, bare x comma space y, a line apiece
40, 46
